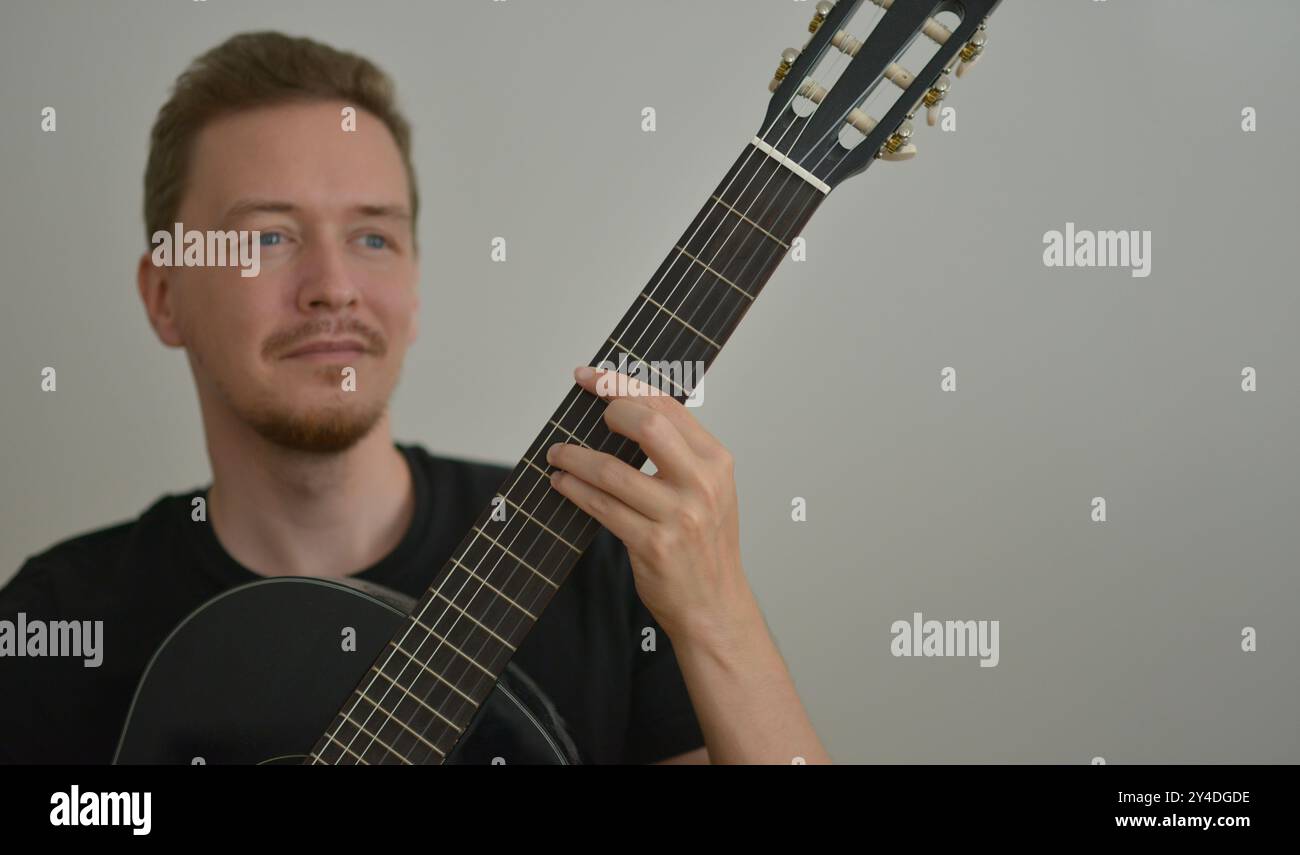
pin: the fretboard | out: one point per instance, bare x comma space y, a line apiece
424, 690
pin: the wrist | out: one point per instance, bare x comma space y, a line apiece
729, 638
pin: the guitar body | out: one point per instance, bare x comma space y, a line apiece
256, 675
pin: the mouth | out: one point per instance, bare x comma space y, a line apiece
327, 350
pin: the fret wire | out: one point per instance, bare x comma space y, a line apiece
671, 314
422, 702
422, 666
569, 434
374, 738
473, 633
396, 714
347, 749
684, 252
492, 588
466, 613
453, 647
705, 291
507, 500
521, 561
720, 201
390, 717
647, 362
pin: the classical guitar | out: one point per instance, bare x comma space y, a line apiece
431, 680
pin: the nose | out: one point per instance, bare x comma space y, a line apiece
325, 283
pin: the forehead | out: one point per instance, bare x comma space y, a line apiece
298, 152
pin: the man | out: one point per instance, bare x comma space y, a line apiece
303, 145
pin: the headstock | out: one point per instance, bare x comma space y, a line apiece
811, 140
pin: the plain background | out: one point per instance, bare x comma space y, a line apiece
1118, 640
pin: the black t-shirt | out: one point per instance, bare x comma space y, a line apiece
141, 578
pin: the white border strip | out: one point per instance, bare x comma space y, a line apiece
767, 149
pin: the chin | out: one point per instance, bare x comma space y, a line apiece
321, 430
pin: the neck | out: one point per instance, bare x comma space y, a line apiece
281, 512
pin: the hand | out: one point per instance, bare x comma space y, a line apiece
680, 525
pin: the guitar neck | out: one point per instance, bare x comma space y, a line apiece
420, 695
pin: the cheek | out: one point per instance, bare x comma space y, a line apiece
397, 312
228, 318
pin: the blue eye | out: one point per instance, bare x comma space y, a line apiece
270, 238
376, 242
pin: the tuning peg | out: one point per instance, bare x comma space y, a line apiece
936, 94
971, 51
819, 16
899, 145
788, 57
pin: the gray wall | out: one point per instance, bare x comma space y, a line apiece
1118, 639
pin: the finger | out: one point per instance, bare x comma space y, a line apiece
658, 437
624, 522
611, 385
605, 472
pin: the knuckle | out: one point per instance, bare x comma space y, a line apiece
656, 426
658, 547
690, 518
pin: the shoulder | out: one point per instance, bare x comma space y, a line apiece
76, 565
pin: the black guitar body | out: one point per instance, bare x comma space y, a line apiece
257, 675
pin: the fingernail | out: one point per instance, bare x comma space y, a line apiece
584, 373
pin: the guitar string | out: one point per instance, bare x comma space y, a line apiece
787, 177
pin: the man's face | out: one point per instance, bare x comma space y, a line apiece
337, 265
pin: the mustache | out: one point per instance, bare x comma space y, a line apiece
280, 342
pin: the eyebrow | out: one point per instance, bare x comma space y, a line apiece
271, 206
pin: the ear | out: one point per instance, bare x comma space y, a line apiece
155, 292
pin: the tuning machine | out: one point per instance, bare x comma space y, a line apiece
933, 96
899, 145
788, 57
824, 8
972, 50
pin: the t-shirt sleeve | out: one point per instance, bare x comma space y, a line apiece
661, 719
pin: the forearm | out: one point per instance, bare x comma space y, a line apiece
744, 696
